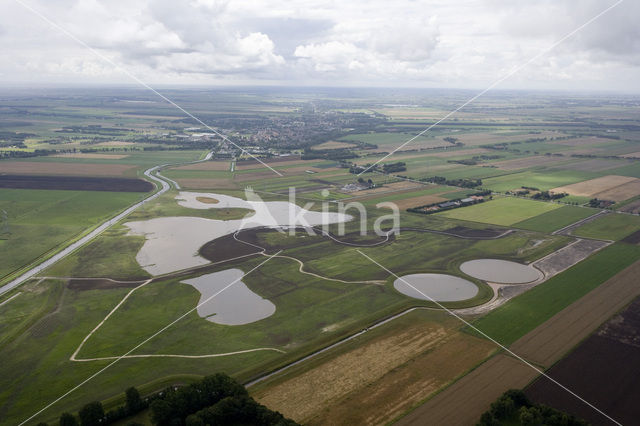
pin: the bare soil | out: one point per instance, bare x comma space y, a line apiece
601, 185
75, 183
633, 238
61, 168
604, 369
464, 401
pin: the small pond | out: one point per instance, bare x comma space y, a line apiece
235, 305
500, 271
439, 287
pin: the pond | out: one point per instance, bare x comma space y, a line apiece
500, 271
439, 287
172, 243
233, 303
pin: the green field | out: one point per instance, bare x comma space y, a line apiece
501, 211
543, 180
516, 318
555, 219
40, 221
613, 226
311, 312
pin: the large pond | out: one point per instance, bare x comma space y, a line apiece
233, 303
500, 271
172, 243
438, 287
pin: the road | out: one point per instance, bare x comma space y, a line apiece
165, 186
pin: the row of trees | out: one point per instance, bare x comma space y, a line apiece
216, 399
93, 413
514, 408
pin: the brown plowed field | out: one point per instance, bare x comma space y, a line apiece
375, 382
633, 207
622, 192
633, 238
419, 201
550, 341
75, 183
61, 168
604, 369
602, 185
464, 402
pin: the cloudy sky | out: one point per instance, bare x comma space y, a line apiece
411, 43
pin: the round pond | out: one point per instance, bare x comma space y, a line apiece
438, 287
500, 271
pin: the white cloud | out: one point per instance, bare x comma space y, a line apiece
432, 43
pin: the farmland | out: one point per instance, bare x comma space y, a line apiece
610, 227
501, 211
344, 344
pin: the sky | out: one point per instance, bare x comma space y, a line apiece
402, 43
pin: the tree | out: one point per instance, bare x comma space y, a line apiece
133, 402
68, 419
91, 414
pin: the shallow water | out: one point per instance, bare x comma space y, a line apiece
234, 303
500, 271
172, 243
438, 287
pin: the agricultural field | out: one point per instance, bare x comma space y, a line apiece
610, 227
556, 219
314, 316
602, 368
39, 221
501, 211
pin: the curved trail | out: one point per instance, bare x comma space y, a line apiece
164, 187
301, 263
74, 356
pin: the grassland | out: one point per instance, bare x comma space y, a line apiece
40, 221
311, 312
555, 219
501, 211
614, 226
372, 378
543, 180
513, 320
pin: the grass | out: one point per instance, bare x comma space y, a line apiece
613, 226
501, 211
555, 219
310, 314
517, 317
543, 180
40, 221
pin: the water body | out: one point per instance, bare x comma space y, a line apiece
234, 305
438, 287
172, 243
500, 271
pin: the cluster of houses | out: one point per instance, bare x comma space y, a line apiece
453, 204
